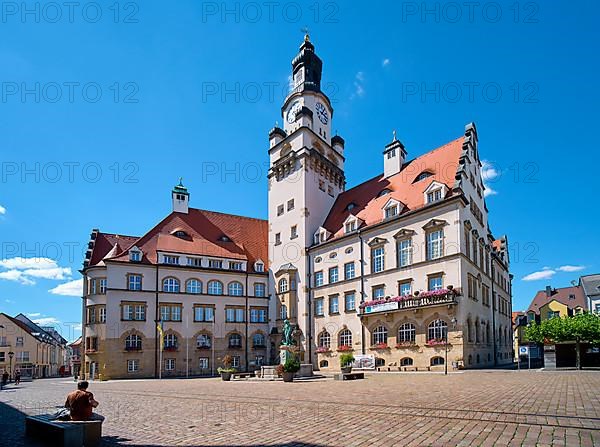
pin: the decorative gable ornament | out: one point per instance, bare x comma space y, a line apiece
434, 223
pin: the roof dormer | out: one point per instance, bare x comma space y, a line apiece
321, 235
435, 192
352, 223
392, 208
135, 254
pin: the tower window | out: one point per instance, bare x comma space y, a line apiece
391, 154
180, 197
290, 205
294, 232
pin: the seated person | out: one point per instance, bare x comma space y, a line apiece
80, 404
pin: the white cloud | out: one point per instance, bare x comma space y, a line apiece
9, 301
359, 89
385, 62
2, 210
24, 270
71, 288
537, 276
488, 174
571, 268
46, 321
360, 76
34, 315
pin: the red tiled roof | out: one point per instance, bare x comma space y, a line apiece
105, 242
497, 244
560, 295
441, 162
247, 237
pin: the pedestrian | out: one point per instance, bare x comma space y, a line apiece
17, 377
4, 378
80, 403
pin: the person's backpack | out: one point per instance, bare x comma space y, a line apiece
62, 415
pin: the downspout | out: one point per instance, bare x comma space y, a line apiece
156, 334
309, 304
494, 313
362, 290
246, 318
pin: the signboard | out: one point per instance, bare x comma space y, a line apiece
364, 361
523, 350
392, 305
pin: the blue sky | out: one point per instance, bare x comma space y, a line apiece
103, 109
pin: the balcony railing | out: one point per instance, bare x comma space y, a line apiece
425, 299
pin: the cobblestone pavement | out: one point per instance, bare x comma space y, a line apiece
474, 408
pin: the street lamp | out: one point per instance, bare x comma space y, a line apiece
10, 356
453, 321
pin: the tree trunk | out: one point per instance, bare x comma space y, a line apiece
578, 354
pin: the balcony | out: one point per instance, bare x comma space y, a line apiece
419, 300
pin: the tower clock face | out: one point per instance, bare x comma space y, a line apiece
292, 111
322, 113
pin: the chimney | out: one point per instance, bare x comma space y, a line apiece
393, 157
548, 291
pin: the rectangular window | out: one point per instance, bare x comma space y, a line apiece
333, 275
194, 262
239, 315
234, 315
350, 226
140, 312
235, 361
133, 365
294, 232
204, 313
169, 364
378, 292
434, 196
277, 238
279, 210
260, 267
132, 312
203, 363
319, 311
318, 279
2, 357
405, 252
102, 314
405, 289
168, 259
435, 241
258, 315
19, 341
290, 205
23, 357
334, 305
349, 302
93, 287
378, 259
135, 282
230, 315
391, 211
215, 263
260, 289
349, 270
135, 256
91, 315
236, 265
102, 287
435, 282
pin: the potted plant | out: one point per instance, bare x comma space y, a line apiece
290, 367
346, 363
227, 370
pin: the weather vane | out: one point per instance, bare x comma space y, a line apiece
305, 31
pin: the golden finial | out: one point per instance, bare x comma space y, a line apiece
306, 35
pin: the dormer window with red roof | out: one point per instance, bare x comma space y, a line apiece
181, 234
434, 196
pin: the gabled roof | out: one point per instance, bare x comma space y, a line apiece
591, 285
562, 296
208, 233
441, 162
30, 327
106, 242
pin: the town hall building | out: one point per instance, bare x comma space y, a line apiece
402, 270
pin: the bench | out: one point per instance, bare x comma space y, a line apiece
64, 433
349, 376
243, 375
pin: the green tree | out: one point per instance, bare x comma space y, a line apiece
582, 328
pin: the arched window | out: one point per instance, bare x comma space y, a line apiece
478, 359
258, 340
346, 337
171, 285
379, 361
470, 359
323, 364
437, 330
215, 287
283, 285
203, 341
324, 340
436, 361
380, 335
500, 335
133, 342
407, 333
170, 341
193, 286
477, 331
487, 333
406, 361
283, 312
235, 289
235, 341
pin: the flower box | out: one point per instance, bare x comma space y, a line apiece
436, 342
323, 349
345, 348
380, 346
133, 348
406, 344
415, 295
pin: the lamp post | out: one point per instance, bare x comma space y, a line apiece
10, 357
453, 321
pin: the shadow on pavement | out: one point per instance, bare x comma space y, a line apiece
118, 441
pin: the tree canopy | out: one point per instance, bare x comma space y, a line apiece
584, 327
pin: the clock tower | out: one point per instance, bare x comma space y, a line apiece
306, 174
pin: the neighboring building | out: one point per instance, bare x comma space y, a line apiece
560, 302
519, 324
404, 260
36, 352
75, 356
591, 288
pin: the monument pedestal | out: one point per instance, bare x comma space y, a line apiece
306, 370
